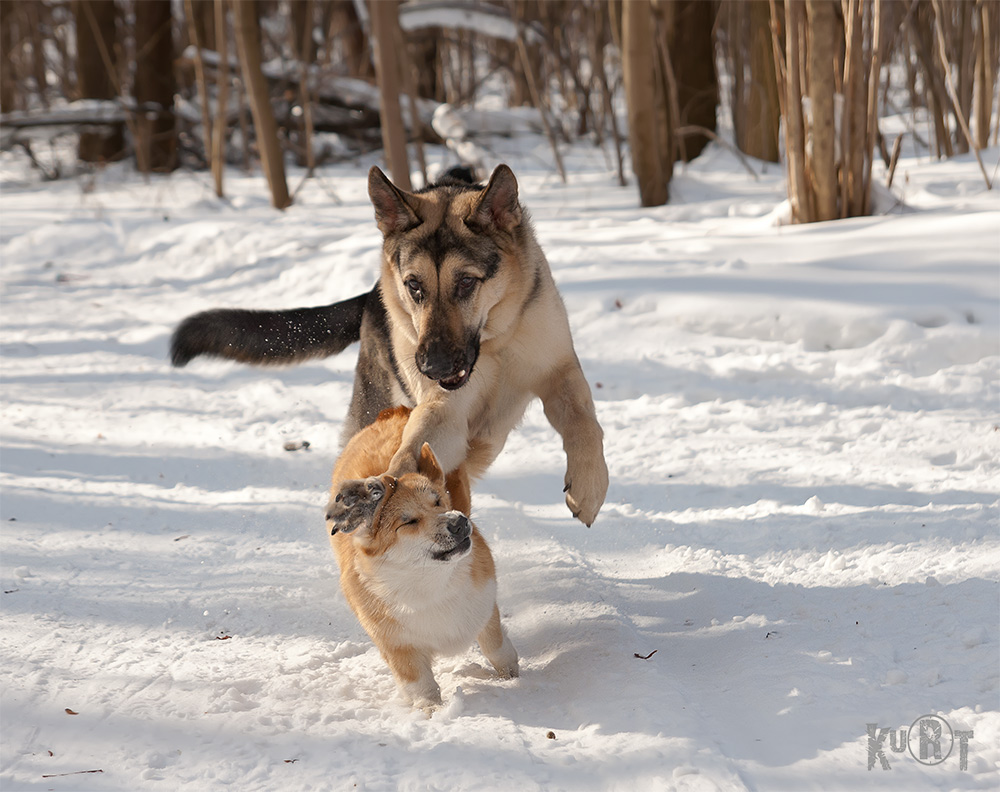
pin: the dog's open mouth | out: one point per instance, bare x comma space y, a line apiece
458, 549
455, 381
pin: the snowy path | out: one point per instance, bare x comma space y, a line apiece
802, 522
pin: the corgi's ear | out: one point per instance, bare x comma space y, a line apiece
428, 466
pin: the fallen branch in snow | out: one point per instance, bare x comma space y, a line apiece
893, 159
323, 86
646, 657
75, 772
351, 103
487, 20
83, 111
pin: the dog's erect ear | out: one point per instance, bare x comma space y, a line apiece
498, 206
393, 211
428, 465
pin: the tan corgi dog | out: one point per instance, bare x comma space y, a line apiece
416, 572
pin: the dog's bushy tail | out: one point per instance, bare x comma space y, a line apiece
269, 337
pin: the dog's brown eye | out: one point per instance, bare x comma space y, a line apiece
415, 289
465, 286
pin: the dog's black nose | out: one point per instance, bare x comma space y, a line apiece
438, 361
459, 525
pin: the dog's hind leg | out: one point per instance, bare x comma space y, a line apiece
497, 647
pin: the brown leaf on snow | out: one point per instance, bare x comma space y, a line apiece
70, 712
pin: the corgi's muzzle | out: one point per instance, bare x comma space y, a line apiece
458, 536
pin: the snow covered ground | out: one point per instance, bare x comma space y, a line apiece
802, 432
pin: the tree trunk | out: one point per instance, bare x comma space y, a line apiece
248, 41
423, 47
8, 83
853, 123
922, 24
221, 126
794, 133
192, 12
155, 86
964, 59
760, 137
828, 55
986, 70
38, 66
691, 45
95, 47
520, 93
823, 36
204, 21
649, 164
306, 55
303, 46
385, 21
345, 25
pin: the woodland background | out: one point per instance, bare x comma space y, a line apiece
199, 83
800, 535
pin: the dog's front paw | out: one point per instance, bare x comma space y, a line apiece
354, 504
586, 486
423, 695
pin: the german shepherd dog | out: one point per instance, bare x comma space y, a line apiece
414, 569
465, 325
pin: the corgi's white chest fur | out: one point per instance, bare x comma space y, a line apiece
434, 604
